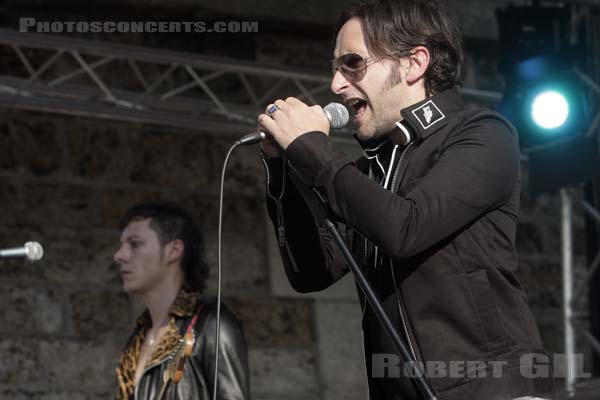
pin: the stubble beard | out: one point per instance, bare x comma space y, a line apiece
385, 123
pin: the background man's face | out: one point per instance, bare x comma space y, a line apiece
141, 257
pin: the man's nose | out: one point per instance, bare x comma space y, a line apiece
121, 255
339, 84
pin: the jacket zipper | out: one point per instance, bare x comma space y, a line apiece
399, 301
168, 358
395, 178
366, 251
385, 181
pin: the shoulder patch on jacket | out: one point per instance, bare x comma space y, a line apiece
428, 114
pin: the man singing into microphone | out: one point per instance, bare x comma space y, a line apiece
161, 260
432, 207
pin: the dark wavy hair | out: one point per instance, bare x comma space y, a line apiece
170, 221
401, 25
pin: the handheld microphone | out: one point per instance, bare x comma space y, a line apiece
336, 114
33, 251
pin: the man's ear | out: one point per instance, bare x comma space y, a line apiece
419, 61
174, 250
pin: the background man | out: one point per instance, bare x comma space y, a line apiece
161, 260
432, 206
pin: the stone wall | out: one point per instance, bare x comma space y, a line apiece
67, 180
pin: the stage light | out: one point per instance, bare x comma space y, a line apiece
549, 94
543, 96
550, 110
545, 100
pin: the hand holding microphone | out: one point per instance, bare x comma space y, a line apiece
285, 120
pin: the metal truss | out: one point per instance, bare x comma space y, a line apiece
573, 310
137, 84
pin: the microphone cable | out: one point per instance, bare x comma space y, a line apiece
338, 117
219, 270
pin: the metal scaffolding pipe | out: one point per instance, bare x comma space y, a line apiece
567, 269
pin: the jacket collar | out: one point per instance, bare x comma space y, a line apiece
421, 119
379, 145
432, 114
379, 153
184, 306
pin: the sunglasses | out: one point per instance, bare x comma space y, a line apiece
354, 66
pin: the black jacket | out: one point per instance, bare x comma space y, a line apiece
434, 232
198, 372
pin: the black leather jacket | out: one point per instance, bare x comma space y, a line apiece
198, 372
433, 225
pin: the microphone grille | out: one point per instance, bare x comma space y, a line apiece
35, 251
337, 114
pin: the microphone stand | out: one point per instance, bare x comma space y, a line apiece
317, 208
